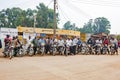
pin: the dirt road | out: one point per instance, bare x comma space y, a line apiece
79, 67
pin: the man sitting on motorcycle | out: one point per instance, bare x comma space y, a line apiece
69, 45
105, 45
7, 42
29, 42
60, 44
114, 42
98, 44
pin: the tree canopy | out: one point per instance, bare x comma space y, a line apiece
15, 16
69, 26
97, 25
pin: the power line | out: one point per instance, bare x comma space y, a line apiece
49, 3
76, 9
62, 12
99, 3
70, 19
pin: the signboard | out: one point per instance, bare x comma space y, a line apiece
8, 31
42, 35
26, 35
83, 37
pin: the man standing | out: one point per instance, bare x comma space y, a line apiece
47, 45
0, 44
35, 41
75, 40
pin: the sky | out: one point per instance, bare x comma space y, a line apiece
76, 11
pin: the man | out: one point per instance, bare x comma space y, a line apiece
7, 42
60, 43
35, 41
115, 42
15, 45
69, 43
0, 44
75, 40
47, 45
29, 41
90, 42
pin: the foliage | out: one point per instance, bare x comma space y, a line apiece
69, 26
16, 16
99, 25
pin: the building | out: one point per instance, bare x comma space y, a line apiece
42, 32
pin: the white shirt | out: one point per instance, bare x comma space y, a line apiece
29, 41
75, 41
98, 41
114, 41
69, 42
60, 42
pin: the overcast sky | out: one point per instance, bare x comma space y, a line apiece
76, 11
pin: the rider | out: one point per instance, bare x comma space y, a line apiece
69, 43
15, 45
41, 42
34, 41
105, 44
90, 41
75, 41
29, 41
60, 43
0, 43
7, 42
115, 42
47, 46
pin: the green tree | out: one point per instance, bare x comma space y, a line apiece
45, 16
101, 24
88, 27
69, 26
15, 16
98, 25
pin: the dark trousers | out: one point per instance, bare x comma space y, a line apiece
47, 48
74, 50
71, 49
35, 49
15, 51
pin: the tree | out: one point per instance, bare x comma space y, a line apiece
101, 24
88, 27
98, 25
69, 26
15, 16
45, 16
10, 17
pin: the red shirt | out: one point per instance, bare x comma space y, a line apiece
118, 43
105, 42
7, 40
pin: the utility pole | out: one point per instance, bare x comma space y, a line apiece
34, 21
55, 24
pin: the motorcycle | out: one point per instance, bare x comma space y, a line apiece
90, 48
84, 49
9, 51
67, 50
61, 50
78, 49
112, 49
42, 49
104, 50
19, 51
30, 50
98, 49
53, 49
